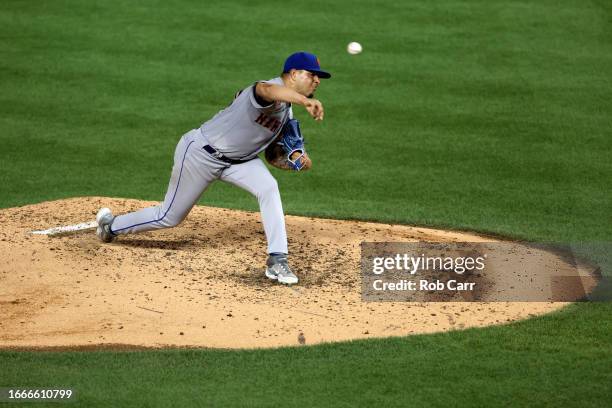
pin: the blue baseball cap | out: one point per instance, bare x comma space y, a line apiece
306, 61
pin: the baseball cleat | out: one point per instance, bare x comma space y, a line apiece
278, 269
105, 218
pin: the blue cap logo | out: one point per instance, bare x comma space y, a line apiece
306, 61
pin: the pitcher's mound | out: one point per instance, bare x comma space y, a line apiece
202, 283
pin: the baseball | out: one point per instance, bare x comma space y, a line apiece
354, 48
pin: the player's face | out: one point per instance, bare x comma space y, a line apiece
306, 82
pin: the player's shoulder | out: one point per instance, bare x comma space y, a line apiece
260, 103
252, 86
274, 81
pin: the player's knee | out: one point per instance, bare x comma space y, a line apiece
266, 188
171, 221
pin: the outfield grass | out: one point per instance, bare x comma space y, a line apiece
488, 116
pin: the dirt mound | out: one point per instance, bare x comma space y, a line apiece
202, 283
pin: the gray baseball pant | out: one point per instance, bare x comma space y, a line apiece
193, 171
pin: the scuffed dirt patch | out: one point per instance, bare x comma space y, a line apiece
202, 284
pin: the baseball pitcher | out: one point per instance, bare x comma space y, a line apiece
226, 148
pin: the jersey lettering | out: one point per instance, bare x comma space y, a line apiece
268, 122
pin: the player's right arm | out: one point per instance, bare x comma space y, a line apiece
272, 92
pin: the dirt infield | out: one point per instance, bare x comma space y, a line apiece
202, 284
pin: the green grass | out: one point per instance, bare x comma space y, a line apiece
488, 116
521, 364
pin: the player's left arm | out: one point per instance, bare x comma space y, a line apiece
277, 157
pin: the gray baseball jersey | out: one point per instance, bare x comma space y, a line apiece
245, 128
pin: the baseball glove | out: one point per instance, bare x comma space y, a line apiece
288, 152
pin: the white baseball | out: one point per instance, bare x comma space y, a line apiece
354, 48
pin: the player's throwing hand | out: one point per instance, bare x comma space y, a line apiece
314, 108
